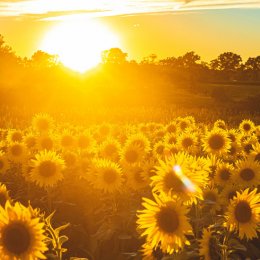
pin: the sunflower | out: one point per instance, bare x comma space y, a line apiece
135, 178
223, 173
188, 142
104, 130
21, 234
184, 123
148, 169
147, 252
4, 195
220, 124
209, 245
70, 159
107, 176
211, 199
4, 164
85, 140
46, 169
247, 126
30, 140
17, 152
165, 223
227, 194
234, 152
67, 140
233, 135
170, 138
110, 149
255, 152
131, 154
243, 214
180, 176
247, 172
14, 136
247, 144
42, 123
159, 150
140, 140
216, 142
45, 142
172, 127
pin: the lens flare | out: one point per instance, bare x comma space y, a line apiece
185, 180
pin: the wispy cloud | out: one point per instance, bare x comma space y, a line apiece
50, 9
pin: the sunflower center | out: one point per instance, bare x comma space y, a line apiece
168, 220
173, 182
17, 137
172, 140
183, 125
243, 212
160, 149
187, 142
247, 174
131, 156
232, 150
232, 137
109, 176
216, 142
16, 238
224, 174
3, 198
246, 127
16, 150
248, 148
210, 196
47, 169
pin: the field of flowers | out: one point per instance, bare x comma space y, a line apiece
181, 189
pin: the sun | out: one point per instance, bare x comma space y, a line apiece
79, 43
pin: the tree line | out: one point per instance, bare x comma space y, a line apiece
228, 66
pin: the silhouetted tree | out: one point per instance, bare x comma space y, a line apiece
252, 66
228, 62
151, 59
169, 61
7, 56
114, 56
189, 60
43, 59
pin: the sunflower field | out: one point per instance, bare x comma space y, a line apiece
181, 189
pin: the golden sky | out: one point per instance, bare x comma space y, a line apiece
167, 28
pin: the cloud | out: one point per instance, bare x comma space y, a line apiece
59, 9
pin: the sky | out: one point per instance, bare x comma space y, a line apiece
166, 28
